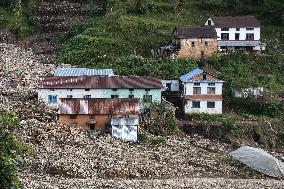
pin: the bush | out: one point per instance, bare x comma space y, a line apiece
158, 141
11, 150
159, 120
255, 106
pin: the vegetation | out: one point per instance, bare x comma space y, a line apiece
11, 151
19, 15
159, 120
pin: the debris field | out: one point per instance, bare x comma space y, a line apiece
68, 157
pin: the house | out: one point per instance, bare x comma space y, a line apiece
82, 72
192, 42
125, 128
249, 91
51, 89
202, 92
237, 33
97, 113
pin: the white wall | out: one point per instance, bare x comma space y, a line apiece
242, 33
98, 93
203, 108
189, 88
174, 85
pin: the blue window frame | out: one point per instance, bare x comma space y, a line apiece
52, 99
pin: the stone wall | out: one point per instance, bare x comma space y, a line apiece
193, 48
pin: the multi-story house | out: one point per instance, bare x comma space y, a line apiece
202, 92
237, 33
51, 89
192, 42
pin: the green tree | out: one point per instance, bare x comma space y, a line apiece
11, 151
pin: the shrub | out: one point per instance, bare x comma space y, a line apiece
159, 120
11, 150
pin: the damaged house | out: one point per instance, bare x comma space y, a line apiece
92, 101
202, 92
237, 33
192, 42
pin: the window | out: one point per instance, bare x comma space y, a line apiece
206, 44
249, 29
237, 29
131, 96
196, 90
195, 104
73, 116
210, 104
224, 29
87, 89
250, 36
211, 90
131, 89
114, 96
209, 23
224, 36
92, 126
87, 96
196, 84
204, 77
211, 84
69, 96
192, 44
168, 86
237, 36
52, 89
114, 89
147, 98
92, 117
52, 99
69, 89
147, 89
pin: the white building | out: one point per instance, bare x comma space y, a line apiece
125, 128
202, 92
51, 89
170, 85
237, 33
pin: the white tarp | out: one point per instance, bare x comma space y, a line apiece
259, 160
125, 133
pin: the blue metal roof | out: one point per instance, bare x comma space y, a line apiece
187, 77
191, 74
82, 71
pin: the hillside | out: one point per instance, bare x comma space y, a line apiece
123, 35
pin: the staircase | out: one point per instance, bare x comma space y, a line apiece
55, 17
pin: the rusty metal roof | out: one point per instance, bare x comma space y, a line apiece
99, 106
99, 82
235, 21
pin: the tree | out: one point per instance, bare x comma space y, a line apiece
11, 151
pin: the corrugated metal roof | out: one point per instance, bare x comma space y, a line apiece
99, 82
239, 43
99, 106
235, 21
82, 72
191, 74
187, 77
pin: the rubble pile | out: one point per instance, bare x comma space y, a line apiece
68, 157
